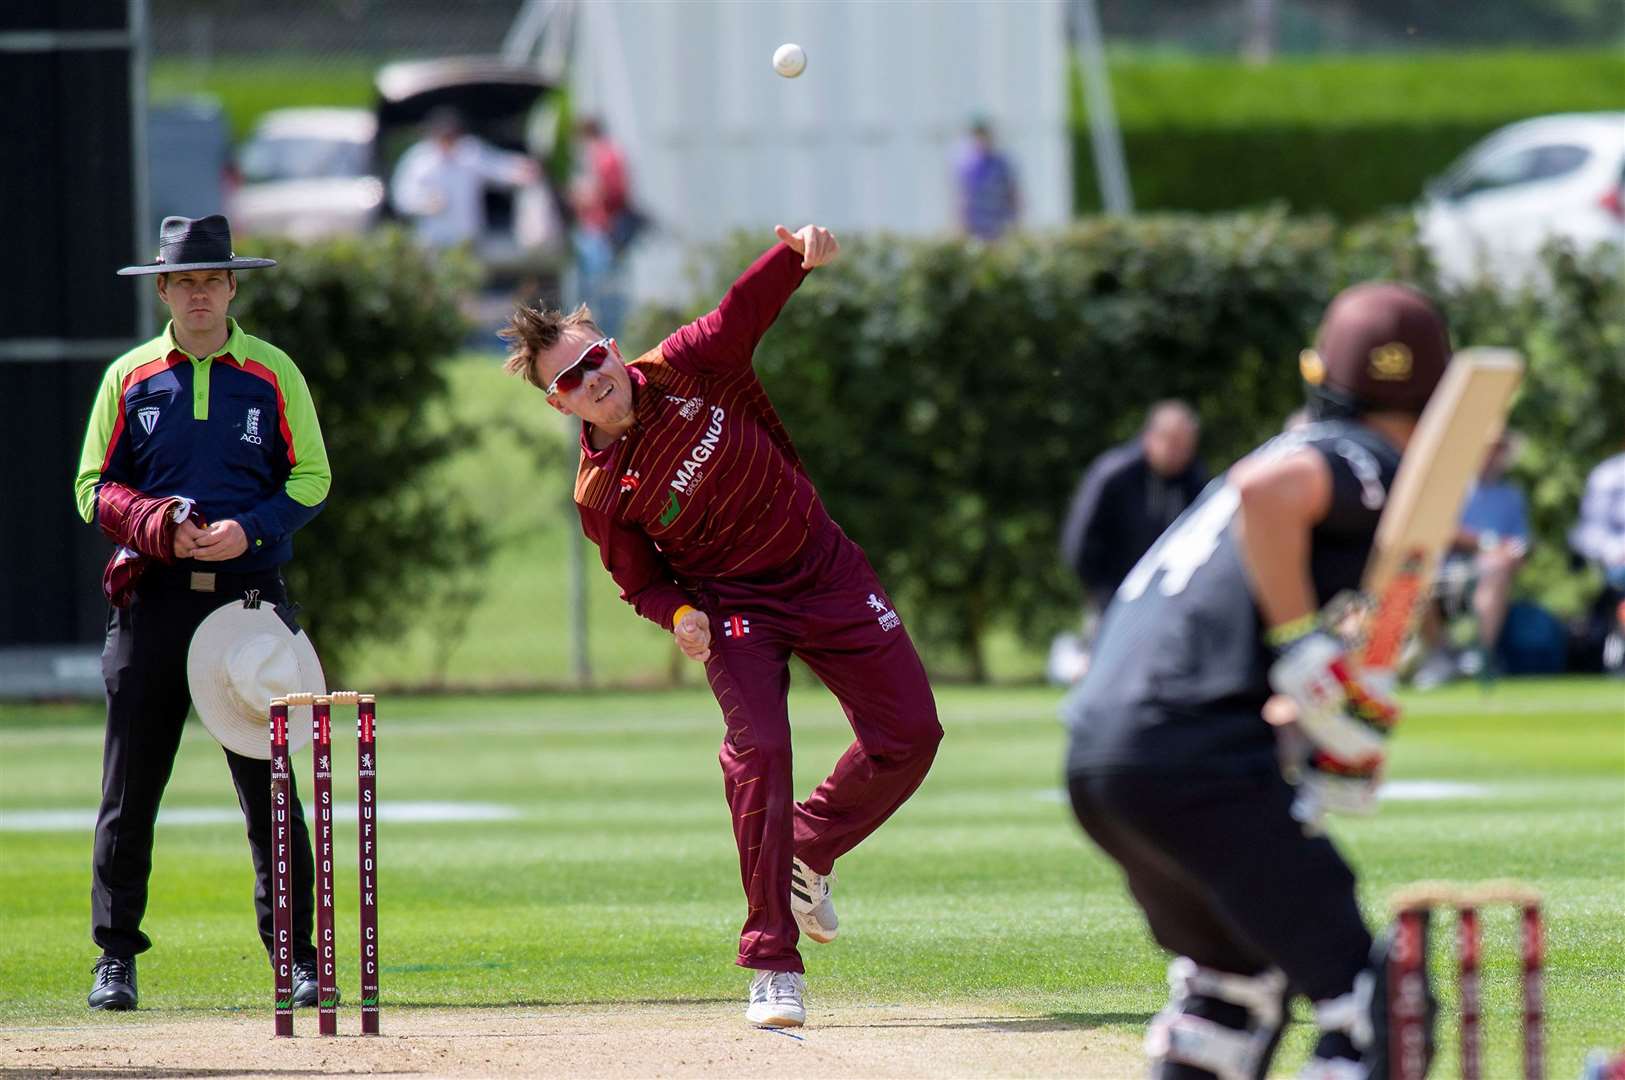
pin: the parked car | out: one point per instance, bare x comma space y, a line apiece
317, 172
1553, 176
308, 173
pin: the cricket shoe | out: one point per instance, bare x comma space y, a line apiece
307, 988
775, 999
115, 984
810, 902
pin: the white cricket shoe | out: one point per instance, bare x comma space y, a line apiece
775, 999
810, 902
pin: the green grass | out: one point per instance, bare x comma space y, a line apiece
249, 86
618, 880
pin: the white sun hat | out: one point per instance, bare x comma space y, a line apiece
242, 656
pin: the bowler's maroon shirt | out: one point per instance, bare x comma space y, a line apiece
706, 483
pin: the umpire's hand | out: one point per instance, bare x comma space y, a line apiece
693, 632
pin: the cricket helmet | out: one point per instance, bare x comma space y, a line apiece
1381, 347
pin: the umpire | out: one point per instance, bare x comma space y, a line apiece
201, 459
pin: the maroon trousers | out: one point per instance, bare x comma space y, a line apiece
827, 608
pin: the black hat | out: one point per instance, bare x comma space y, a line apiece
195, 244
1381, 346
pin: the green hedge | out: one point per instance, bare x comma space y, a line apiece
947, 397
369, 321
1346, 136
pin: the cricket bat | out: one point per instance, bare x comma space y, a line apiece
1465, 413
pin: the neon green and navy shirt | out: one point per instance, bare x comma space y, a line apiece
236, 431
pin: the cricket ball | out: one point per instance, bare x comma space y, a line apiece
789, 60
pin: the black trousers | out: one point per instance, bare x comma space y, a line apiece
144, 667
1226, 876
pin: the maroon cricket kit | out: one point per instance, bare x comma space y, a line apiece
704, 502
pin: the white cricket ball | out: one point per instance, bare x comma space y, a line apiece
789, 60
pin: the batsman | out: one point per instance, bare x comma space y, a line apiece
1172, 767
703, 514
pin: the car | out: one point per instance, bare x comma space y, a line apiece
308, 173
313, 172
1560, 176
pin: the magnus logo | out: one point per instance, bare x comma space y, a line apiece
690, 471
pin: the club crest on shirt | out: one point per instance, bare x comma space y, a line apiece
251, 426
889, 620
688, 408
147, 418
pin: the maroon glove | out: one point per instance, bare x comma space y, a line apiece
143, 522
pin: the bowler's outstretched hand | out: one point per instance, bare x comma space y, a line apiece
815, 245
693, 632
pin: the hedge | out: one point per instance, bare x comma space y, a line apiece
946, 397
369, 321
1347, 136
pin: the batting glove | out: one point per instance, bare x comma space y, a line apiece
1347, 720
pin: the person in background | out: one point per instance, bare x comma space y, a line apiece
1599, 538
440, 182
1477, 574
989, 198
1129, 496
605, 223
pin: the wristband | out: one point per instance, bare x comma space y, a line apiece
1289, 633
677, 616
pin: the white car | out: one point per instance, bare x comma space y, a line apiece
308, 173
1554, 176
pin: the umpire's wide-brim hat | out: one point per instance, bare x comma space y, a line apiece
195, 244
241, 657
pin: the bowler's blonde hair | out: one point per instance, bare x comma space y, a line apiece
531, 331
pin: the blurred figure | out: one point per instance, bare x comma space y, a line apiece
1296, 420
1129, 496
989, 197
606, 223
440, 182
1599, 538
1477, 574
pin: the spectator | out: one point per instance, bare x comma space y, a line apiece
1476, 576
989, 197
440, 181
1599, 538
605, 224
1128, 496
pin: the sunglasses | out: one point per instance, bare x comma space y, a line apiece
591, 359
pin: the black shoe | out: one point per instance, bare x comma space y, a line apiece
115, 983
306, 986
